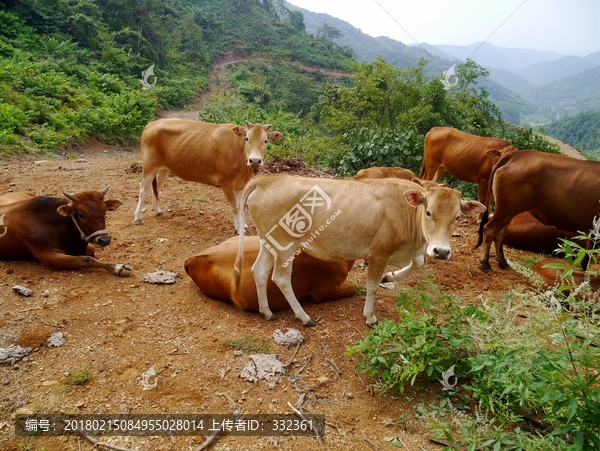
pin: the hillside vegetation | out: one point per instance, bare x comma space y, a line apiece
71, 71
581, 131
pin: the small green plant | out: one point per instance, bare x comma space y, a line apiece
199, 199
76, 378
248, 343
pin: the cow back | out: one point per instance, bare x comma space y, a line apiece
557, 190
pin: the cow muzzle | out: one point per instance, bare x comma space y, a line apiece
255, 162
93, 237
440, 252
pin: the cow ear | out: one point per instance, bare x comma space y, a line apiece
239, 131
415, 198
112, 204
494, 153
471, 207
275, 136
65, 210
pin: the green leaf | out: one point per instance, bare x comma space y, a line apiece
573, 407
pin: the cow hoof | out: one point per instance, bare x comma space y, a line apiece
138, 222
123, 270
310, 323
485, 268
384, 279
160, 214
503, 265
273, 317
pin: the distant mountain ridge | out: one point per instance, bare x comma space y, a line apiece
531, 87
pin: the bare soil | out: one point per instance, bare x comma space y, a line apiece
120, 327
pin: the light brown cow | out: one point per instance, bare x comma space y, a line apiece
551, 275
212, 271
226, 155
385, 173
527, 233
557, 190
379, 220
60, 232
463, 155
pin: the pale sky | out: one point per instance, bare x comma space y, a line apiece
565, 26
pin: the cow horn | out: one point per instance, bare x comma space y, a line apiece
268, 126
248, 124
70, 196
104, 191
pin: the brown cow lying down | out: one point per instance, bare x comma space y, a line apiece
527, 233
59, 232
552, 276
385, 173
212, 271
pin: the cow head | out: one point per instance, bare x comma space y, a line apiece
256, 138
88, 209
441, 209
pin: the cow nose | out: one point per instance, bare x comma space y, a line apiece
104, 241
254, 161
442, 253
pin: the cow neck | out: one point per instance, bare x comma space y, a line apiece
83, 236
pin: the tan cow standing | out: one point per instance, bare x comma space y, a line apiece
381, 221
225, 155
382, 172
212, 271
463, 155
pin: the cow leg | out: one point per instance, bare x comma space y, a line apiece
490, 233
56, 260
415, 264
500, 249
161, 176
282, 276
145, 188
374, 276
261, 269
233, 199
90, 251
437, 175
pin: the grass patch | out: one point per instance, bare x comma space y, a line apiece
248, 343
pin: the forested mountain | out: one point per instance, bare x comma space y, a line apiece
547, 72
581, 130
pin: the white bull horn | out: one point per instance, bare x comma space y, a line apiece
70, 196
104, 191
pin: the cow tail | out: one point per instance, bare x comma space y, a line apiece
489, 199
154, 189
422, 173
237, 269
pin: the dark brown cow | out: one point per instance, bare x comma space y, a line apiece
557, 190
385, 173
59, 232
527, 233
553, 276
226, 155
463, 155
212, 271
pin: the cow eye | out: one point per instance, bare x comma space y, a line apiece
428, 213
247, 139
81, 216
266, 141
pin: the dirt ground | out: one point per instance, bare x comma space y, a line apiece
121, 327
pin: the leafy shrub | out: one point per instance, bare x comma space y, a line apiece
376, 147
432, 335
